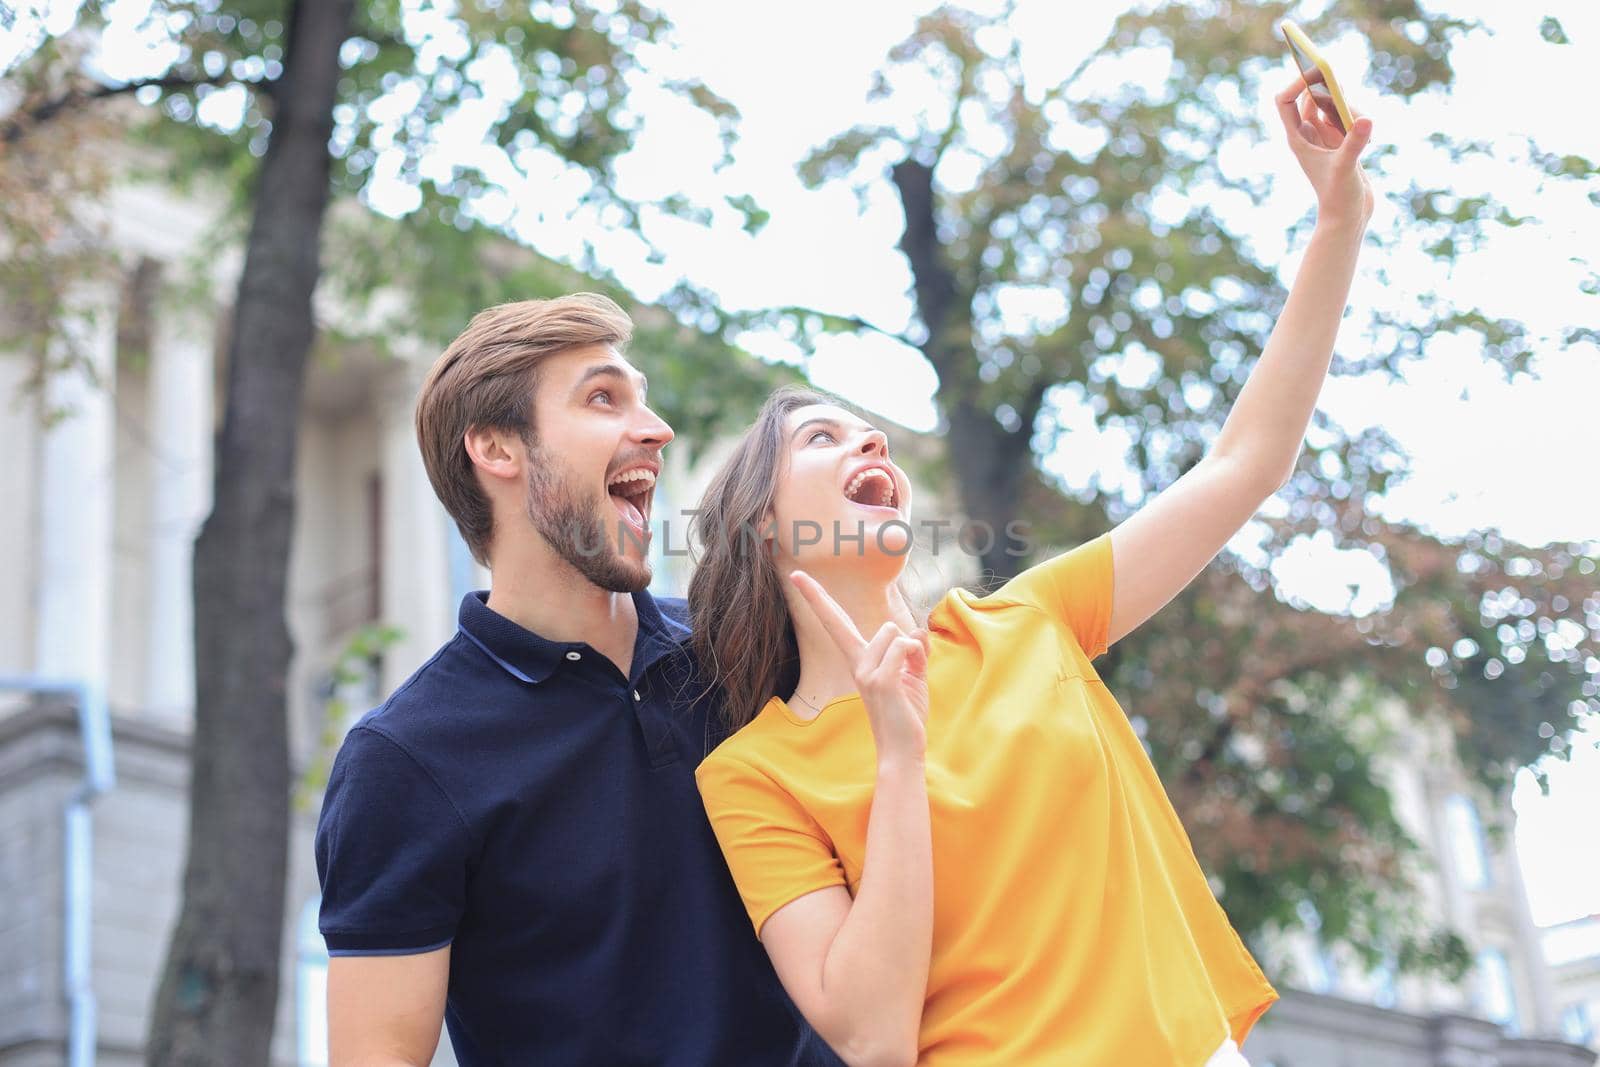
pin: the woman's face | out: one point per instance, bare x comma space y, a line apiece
839, 495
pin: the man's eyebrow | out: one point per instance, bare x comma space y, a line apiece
613, 370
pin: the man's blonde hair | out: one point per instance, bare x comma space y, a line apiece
486, 380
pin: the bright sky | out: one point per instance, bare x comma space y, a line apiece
1485, 453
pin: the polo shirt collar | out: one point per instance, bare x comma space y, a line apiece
530, 658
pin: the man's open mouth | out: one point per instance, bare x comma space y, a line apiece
873, 487
631, 492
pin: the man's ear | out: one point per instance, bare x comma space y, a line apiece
494, 452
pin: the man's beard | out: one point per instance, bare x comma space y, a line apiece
572, 529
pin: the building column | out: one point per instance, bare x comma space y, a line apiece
415, 592
76, 496
19, 484
1541, 1014
182, 405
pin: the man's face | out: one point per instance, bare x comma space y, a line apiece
593, 464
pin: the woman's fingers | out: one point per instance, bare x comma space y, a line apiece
1299, 115
914, 644
1311, 115
1286, 100
896, 659
1305, 121
1356, 141
924, 645
917, 658
835, 620
1322, 133
872, 655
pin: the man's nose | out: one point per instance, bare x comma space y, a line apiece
653, 430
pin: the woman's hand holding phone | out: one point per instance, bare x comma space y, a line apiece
891, 671
1329, 158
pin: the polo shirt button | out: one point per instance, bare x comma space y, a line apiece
574, 655
636, 695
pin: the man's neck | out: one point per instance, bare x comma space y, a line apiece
551, 599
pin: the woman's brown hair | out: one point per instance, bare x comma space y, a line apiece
743, 636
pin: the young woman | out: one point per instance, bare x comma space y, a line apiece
946, 833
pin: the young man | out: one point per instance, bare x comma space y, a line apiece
514, 842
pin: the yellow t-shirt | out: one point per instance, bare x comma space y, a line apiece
1072, 924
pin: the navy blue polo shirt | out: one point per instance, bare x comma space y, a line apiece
521, 801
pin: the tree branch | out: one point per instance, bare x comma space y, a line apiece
20, 123
933, 282
852, 321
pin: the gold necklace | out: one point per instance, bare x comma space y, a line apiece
807, 703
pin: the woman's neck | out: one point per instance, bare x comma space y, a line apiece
825, 672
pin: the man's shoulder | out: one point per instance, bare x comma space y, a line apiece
418, 707
675, 609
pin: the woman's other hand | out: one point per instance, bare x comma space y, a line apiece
891, 672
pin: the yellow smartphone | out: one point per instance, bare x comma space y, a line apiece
1318, 75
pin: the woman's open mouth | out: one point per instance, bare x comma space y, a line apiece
873, 487
631, 492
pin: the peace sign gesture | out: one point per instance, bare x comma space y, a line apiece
891, 671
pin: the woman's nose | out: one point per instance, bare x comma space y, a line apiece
875, 442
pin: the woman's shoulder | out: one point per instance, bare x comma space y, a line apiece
744, 744
752, 758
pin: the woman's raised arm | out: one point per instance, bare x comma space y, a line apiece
1162, 547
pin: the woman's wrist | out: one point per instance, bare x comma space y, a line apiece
1339, 225
901, 765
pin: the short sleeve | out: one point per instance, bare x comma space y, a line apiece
391, 852
1075, 587
776, 852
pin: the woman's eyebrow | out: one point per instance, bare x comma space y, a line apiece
822, 420
819, 421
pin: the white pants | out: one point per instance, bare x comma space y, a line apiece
1228, 1055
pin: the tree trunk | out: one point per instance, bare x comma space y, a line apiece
991, 464
219, 989
991, 468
